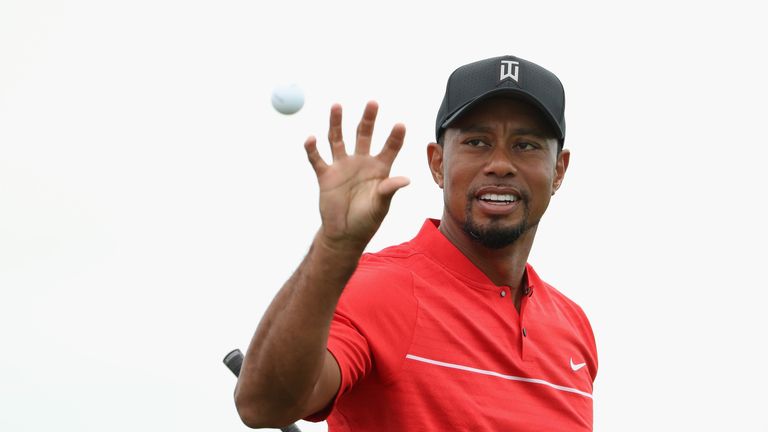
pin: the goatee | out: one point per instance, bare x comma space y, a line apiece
493, 236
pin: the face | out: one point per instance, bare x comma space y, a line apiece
498, 167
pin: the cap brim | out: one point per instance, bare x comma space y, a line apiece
523, 95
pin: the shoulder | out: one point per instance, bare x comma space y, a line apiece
381, 279
386, 265
559, 301
565, 315
564, 301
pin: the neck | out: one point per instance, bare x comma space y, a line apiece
504, 266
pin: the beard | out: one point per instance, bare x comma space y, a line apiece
494, 236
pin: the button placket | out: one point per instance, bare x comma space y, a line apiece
525, 337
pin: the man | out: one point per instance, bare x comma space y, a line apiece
452, 330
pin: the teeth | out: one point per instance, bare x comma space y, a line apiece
497, 197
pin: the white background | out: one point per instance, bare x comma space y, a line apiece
152, 202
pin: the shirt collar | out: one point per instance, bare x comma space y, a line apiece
432, 243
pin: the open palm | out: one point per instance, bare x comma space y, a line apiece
355, 190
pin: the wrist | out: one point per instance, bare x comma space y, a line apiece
340, 247
334, 261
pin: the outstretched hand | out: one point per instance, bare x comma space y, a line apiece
355, 190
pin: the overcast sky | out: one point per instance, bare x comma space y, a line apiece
152, 202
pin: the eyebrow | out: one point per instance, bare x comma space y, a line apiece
476, 128
519, 131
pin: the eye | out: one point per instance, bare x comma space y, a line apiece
527, 145
476, 142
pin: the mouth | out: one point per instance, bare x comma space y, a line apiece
498, 200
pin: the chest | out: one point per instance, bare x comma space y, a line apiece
477, 352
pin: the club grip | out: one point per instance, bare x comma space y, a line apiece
234, 361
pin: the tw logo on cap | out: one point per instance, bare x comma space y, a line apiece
509, 69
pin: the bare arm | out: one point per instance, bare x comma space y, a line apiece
288, 373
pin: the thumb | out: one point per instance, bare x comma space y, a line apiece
389, 186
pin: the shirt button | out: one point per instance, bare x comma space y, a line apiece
503, 293
525, 333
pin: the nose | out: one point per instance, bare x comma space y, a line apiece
500, 163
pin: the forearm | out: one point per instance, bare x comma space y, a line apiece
286, 355
287, 372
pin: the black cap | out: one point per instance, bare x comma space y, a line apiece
510, 75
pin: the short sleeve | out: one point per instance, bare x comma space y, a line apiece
372, 325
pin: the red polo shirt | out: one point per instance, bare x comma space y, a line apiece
425, 341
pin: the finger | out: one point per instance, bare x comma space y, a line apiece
393, 145
334, 133
317, 162
365, 128
388, 187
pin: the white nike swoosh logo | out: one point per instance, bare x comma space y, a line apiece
576, 367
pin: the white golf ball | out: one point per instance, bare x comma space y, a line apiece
287, 99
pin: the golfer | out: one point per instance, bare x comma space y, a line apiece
453, 330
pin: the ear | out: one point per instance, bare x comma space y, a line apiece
561, 166
435, 160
